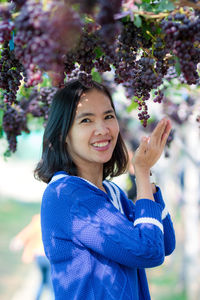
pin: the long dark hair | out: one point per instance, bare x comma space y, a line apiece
55, 156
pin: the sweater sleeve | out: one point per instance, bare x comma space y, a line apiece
99, 226
168, 229
169, 234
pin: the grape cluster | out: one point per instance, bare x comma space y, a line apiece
39, 102
140, 72
6, 25
81, 60
84, 55
110, 28
10, 74
181, 34
30, 40
15, 117
14, 122
43, 38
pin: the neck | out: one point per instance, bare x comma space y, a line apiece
94, 175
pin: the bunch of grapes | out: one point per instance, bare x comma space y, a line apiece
30, 40
6, 25
10, 74
81, 60
14, 122
84, 55
182, 33
15, 117
140, 71
39, 102
43, 38
110, 28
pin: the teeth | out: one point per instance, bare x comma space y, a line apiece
100, 144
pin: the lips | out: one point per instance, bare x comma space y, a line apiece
101, 145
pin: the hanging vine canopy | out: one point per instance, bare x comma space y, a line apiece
142, 42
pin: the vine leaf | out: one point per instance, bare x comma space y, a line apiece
178, 66
96, 76
137, 21
132, 106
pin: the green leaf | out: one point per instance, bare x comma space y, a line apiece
132, 106
178, 66
96, 76
98, 51
88, 19
165, 5
158, 5
7, 153
137, 21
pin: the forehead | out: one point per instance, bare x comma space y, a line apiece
94, 99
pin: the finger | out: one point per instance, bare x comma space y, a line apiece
158, 131
168, 127
166, 133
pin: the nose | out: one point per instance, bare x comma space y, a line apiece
101, 128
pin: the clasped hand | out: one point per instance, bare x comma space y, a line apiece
151, 148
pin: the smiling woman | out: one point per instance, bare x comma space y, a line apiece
97, 241
77, 111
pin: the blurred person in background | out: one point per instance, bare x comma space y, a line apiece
30, 240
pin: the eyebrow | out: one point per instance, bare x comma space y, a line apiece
87, 114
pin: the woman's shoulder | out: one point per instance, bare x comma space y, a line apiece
65, 184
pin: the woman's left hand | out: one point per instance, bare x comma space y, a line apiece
152, 147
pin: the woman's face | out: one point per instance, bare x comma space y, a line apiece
94, 132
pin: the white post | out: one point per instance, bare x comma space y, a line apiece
191, 212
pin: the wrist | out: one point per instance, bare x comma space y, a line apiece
144, 187
142, 172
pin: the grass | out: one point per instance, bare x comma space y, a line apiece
14, 216
164, 283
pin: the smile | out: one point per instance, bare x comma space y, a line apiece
99, 145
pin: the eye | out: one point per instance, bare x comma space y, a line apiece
109, 117
86, 120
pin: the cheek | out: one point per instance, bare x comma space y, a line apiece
116, 129
75, 138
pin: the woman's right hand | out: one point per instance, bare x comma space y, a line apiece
151, 148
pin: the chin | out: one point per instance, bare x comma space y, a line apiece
106, 159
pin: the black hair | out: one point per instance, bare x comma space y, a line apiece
55, 156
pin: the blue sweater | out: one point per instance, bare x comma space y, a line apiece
97, 252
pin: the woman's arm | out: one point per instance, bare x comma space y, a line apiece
169, 234
147, 155
100, 227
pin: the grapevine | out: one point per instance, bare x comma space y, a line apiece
142, 44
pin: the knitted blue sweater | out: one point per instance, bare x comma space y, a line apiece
97, 252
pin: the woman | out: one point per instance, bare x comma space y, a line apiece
97, 241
